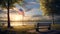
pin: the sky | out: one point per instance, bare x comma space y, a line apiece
31, 7
32, 11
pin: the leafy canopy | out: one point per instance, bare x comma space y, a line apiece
4, 3
50, 7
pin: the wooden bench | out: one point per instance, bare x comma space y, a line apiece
43, 26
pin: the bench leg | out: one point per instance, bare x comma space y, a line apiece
37, 29
49, 28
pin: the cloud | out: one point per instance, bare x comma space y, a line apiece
30, 5
34, 11
34, 4
30, 0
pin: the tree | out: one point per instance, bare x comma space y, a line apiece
50, 7
8, 4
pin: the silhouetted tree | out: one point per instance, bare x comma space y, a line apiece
8, 4
50, 7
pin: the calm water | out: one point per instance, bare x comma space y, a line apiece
23, 23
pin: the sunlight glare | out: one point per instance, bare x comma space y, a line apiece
16, 17
16, 24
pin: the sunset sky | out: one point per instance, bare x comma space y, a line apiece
31, 8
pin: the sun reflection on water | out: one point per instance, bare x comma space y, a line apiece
16, 24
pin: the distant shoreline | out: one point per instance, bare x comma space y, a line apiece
27, 21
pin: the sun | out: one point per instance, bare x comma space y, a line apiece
16, 17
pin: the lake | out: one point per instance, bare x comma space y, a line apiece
22, 23
25, 23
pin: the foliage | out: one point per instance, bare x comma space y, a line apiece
4, 3
50, 6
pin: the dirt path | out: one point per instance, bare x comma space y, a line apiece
46, 32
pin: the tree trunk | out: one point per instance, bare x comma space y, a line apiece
8, 15
53, 18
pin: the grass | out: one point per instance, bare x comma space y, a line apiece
56, 27
19, 29
25, 28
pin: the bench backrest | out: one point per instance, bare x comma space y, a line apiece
46, 26
43, 24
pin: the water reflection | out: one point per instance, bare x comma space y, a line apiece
19, 23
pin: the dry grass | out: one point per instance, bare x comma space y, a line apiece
56, 27
21, 29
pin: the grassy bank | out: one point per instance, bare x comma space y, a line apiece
24, 29
56, 27
19, 30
